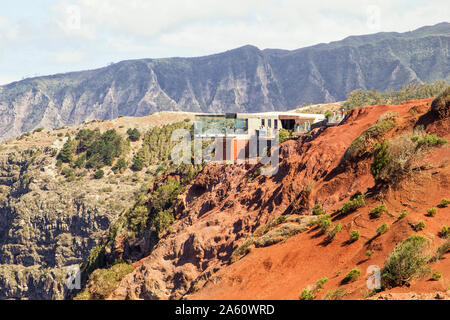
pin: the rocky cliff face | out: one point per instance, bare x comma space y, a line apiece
49, 222
245, 80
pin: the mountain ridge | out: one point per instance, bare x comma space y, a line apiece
244, 79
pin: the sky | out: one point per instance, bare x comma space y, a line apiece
52, 36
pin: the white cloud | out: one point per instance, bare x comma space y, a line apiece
210, 26
80, 34
68, 57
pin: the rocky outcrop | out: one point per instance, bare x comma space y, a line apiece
241, 80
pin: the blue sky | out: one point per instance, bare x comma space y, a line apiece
51, 36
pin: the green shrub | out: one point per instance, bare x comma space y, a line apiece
120, 166
80, 161
307, 294
133, 134
352, 275
382, 229
364, 142
444, 203
67, 172
100, 149
99, 174
369, 253
137, 165
412, 91
102, 282
441, 105
443, 249
431, 140
323, 222
378, 211
431, 212
283, 135
157, 143
397, 158
419, 226
279, 234
241, 250
445, 232
65, 155
332, 233
163, 220
337, 294
406, 261
353, 205
354, 235
381, 159
319, 283
436, 276
317, 210
402, 215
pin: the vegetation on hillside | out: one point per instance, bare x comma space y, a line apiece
92, 149
150, 217
157, 145
395, 158
408, 260
412, 91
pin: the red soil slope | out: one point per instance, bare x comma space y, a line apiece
226, 204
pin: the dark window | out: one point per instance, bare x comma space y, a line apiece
262, 122
275, 124
269, 123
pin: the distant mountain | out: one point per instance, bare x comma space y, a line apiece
245, 79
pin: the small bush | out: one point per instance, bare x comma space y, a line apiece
351, 276
436, 276
445, 232
402, 215
307, 294
133, 134
65, 155
323, 222
431, 140
378, 211
137, 165
332, 233
443, 249
99, 174
120, 166
353, 205
337, 294
406, 261
359, 147
382, 229
242, 250
369, 253
419, 226
319, 283
354, 235
441, 105
431, 212
283, 135
317, 210
279, 234
444, 203
390, 115
380, 161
